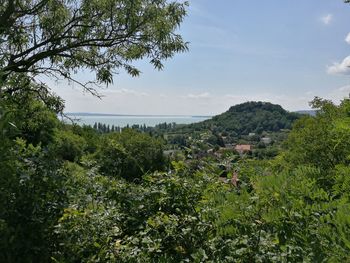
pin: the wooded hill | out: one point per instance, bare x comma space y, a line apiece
250, 117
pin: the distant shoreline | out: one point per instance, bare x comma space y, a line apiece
125, 120
85, 114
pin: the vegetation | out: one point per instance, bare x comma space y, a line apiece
58, 37
250, 117
81, 194
72, 194
130, 155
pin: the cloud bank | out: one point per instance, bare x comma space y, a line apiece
342, 68
198, 96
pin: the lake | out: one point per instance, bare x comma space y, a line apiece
124, 120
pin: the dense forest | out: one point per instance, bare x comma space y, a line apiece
71, 193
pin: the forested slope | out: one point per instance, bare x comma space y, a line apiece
250, 117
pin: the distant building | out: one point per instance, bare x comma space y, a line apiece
243, 148
266, 140
234, 179
229, 145
210, 151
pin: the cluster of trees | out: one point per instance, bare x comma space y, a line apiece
130, 155
160, 128
118, 202
166, 126
35, 158
57, 39
250, 117
292, 209
103, 128
246, 123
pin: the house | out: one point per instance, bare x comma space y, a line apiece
243, 148
229, 145
266, 140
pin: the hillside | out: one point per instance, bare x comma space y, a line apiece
250, 117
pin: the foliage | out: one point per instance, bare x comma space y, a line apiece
108, 203
59, 37
32, 112
31, 200
74, 194
157, 220
130, 154
68, 146
31, 190
322, 141
250, 117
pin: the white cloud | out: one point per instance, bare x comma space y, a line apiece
327, 19
342, 68
347, 39
230, 96
204, 95
127, 92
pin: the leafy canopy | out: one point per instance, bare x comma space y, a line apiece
58, 38
130, 154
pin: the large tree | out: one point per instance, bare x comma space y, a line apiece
61, 37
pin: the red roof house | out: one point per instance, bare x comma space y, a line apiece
243, 148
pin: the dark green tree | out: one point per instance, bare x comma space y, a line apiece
130, 154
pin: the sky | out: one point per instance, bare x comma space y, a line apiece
285, 52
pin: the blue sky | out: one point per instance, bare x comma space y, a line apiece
285, 52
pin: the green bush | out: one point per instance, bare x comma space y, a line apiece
129, 155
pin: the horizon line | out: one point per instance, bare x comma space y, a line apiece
134, 115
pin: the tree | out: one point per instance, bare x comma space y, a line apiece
32, 112
68, 146
130, 155
57, 38
322, 141
32, 198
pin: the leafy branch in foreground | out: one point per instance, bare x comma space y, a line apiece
58, 38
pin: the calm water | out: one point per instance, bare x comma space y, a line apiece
123, 121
